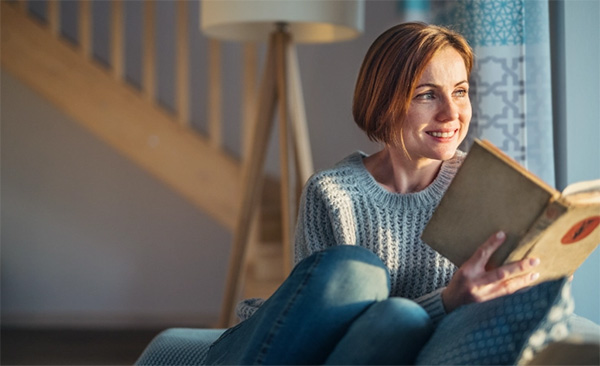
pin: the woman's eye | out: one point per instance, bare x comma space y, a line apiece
461, 93
425, 96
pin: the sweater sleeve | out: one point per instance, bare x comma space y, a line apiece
246, 308
313, 229
433, 304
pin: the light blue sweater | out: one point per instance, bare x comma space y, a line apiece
345, 205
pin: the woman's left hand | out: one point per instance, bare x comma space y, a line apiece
473, 283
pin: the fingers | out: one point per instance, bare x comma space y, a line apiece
483, 254
511, 270
474, 282
507, 279
507, 287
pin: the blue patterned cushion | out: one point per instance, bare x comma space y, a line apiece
179, 346
505, 331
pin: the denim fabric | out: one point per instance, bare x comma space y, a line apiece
312, 311
390, 332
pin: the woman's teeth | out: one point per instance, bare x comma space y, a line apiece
442, 134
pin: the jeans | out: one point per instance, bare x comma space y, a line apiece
334, 308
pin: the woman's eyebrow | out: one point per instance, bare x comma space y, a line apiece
427, 85
437, 86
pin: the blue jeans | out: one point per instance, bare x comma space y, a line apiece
334, 308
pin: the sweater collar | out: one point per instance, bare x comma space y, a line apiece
429, 196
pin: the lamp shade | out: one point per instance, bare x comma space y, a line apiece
309, 21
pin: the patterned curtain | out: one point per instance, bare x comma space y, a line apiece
510, 84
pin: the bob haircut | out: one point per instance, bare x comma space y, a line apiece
389, 74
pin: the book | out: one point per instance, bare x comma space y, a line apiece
492, 192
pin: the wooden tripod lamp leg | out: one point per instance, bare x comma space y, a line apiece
280, 84
282, 40
304, 160
300, 146
251, 183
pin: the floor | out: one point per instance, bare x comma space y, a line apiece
72, 347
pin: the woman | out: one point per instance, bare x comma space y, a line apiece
366, 289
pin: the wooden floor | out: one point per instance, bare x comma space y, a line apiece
72, 347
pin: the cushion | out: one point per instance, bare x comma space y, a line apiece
568, 352
179, 346
504, 331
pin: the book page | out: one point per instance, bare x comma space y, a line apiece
565, 245
582, 193
580, 187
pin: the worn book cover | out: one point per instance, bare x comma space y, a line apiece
492, 192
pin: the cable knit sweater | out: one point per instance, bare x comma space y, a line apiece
345, 205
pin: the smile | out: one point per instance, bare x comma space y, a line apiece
442, 134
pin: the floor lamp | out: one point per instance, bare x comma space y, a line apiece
282, 23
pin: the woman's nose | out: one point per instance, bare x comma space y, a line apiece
448, 110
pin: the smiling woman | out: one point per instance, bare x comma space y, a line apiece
366, 289
439, 112
391, 71
412, 96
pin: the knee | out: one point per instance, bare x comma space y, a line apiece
399, 313
346, 258
348, 269
357, 265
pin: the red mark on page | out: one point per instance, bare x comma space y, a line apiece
581, 230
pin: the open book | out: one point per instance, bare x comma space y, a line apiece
492, 192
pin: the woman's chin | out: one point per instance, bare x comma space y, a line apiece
444, 155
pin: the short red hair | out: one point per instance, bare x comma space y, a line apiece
389, 73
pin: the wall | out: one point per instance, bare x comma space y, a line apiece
88, 238
581, 98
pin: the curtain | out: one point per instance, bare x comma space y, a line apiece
510, 83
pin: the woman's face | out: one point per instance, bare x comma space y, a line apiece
440, 110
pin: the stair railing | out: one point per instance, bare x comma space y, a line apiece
214, 113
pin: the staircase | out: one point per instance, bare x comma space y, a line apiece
132, 121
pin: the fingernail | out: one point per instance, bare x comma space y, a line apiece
500, 235
535, 276
534, 262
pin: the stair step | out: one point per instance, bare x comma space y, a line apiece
270, 210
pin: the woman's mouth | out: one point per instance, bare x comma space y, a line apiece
440, 134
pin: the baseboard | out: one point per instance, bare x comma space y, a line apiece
108, 321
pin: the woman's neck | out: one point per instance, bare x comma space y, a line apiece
396, 172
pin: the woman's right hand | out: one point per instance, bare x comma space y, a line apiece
472, 282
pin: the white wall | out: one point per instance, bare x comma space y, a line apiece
582, 103
89, 239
